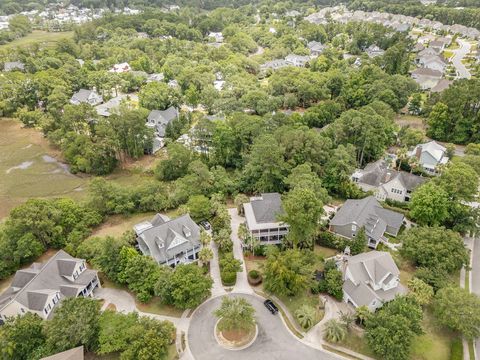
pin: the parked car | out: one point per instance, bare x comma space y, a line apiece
206, 225
270, 306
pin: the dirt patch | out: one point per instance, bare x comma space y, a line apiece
415, 122
236, 335
111, 307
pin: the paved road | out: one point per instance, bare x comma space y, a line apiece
274, 341
459, 54
475, 278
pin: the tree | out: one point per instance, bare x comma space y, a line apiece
176, 166
459, 310
439, 122
117, 331
335, 331
434, 248
229, 266
223, 240
429, 204
236, 313
359, 243
348, 319
205, 255
288, 272
241, 199
362, 313
75, 323
420, 291
460, 181
21, 336
199, 207
306, 316
158, 96
333, 280
185, 288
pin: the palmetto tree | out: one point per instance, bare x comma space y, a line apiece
205, 255
347, 319
413, 163
306, 316
402, 156
205, 238
236, 314
335, 331
362, 313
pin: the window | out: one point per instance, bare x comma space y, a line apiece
45, 311
23, 310
396, 191
354, 227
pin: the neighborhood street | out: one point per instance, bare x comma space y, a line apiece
475, 281
459, 55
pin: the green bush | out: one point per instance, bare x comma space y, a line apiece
254, 277
229, 278
254, 274
327, 239
456, 352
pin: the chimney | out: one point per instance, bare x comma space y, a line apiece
418, 153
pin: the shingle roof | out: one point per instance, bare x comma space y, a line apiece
170, 238
162, 118
267, 208
82, 95
427, 72
72, 354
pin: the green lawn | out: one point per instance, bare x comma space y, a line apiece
155, 306
306, 298
355, 341
39, 36
325, 252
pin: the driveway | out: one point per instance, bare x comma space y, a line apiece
274, 341
242, 285
459, 55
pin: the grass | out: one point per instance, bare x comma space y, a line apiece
447, 54
324, 252
116, 225
415, 122
356, 342
49, 39
306, 298
28, 168
155, 306
172, 355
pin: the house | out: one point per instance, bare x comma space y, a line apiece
426, 78
433, 62
41, 287
369, 214
158, 120
316, 48
120, 68
430, 155
158, 77
14, 65
374, 51
274, 65
113, 105
72, 354
261, 215
370, 279
169, 242
387, 183
437, 45
442, 85
426, 52
216, 36
418, 47
84, 96
297, 60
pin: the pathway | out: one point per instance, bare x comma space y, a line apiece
242, 285
459, 55
217, 287
475, 279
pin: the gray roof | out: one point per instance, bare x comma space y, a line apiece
13, 65
427, 72
267, 208
47, 278
367, 213
369, 269
169, 238
378, 173
443, 84
72, 354
82, 95
162, 118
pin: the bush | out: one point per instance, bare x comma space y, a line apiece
229, 266
229, 278
254, 274
254, 277
332, 241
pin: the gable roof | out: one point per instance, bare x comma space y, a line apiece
443, 84
267, 208
82, 95
162, 118
14, 65
422, 71
436, 150
169, 238
367, 213
72, 354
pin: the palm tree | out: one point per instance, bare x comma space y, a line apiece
306, 316
347, 319
335, 331
236, 314
205, 238
205, 255
402, 155
413, 163
362, 313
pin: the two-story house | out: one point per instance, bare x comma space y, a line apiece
370, 279
84, 96
387, 183
430, 155
41, 287
158, 120
366, 213
169, 242
262, 218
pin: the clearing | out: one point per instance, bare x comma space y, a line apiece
48, 39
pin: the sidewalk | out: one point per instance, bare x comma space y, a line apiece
217, 287
463, 274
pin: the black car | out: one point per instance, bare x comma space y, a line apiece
270, 306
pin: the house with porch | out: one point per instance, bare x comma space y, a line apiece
366, 213
430, 156
41, 287
387, 183
370, 279
262, 218
169, 241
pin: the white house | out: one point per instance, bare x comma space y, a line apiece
41, 287
84, 96
430, 155
120, 68
370, 279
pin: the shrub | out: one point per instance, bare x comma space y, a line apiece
254, 274
254, 277
332, 241
229, 266
229, 278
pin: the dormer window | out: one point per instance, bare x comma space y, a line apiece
187, 232
160, 245
354, 227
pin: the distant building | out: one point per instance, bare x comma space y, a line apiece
370, 279
84, 96
120, 68
442, 85
113, 105
158, 120
387, 183
374, 51
169, 242
14, 66
216, 36
262, 222
297, 60
274, 65
426, 78
158, 77
430, 155
41, 287
366, 213
433, 62
316, 48
72, 354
